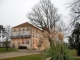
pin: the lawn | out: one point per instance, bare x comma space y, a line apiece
3, 50
73, 52
76, 59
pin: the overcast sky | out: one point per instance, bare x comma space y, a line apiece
13, 12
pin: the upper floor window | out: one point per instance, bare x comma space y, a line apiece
22, 41
33, 41
27, 29
33, 34
18, 43
33, 29
23, 29
36, 41
12, 34
36, 31
27, 42
14, 30
19, 29
36, 35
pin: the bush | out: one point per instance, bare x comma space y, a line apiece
22, 47
58, 53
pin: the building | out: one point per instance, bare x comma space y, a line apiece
25, 35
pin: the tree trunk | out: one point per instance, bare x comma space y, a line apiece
6, 47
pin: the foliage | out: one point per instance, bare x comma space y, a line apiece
76, 38
2, 29
71, 43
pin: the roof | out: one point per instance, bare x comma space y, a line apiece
26, 24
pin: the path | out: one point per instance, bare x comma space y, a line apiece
19, 53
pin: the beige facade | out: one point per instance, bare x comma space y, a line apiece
25, 35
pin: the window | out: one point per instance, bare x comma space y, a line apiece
27, 29
36, 31
36, 41
36, 35
22, 41
23, 29
19, 29
33, 34
19, 33
23, 33
27, 42
14, 30
12, 34
33, 29
33, 41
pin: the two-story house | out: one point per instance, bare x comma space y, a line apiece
25, 35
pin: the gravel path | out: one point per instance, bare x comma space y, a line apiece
19, 53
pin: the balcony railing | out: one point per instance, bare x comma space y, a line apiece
20, 36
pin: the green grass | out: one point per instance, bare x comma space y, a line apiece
73, 52
3, 50
76, 59
29, 57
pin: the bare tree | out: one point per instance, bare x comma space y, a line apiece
7, 35
75, 11
45, 16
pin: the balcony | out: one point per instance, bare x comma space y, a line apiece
20, 36
12, 37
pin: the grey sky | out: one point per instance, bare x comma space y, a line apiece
13, 12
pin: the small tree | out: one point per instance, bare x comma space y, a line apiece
7, 34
